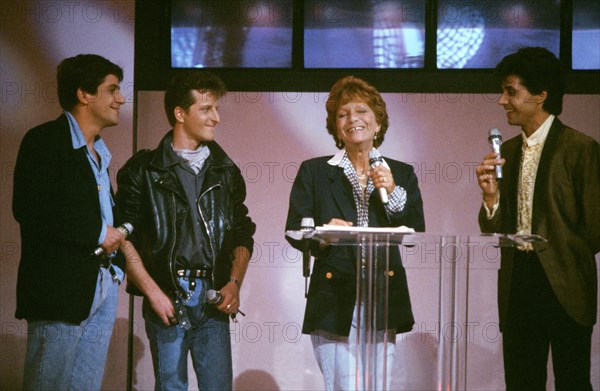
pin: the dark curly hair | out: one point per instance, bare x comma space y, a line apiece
348, 89
539, 71
85, 71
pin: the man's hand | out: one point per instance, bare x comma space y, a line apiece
486, 177
163, 307
231, 299
137, 274
113, 240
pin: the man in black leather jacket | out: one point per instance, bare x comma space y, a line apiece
185, 200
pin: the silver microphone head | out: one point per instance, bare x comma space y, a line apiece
214, 297
495, 140
495, 134
307, 224
375, 158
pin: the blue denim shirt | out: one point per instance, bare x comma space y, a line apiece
100, 170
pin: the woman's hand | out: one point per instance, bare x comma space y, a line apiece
382, 177
340, 222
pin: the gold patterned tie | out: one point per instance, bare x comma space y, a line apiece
529, 165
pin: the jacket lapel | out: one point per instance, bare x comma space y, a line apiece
541, 179
512, 170
75, 159
83, 165
167, 178
341, 190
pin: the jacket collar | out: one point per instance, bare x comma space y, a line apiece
163, 164
337, 158
161, 161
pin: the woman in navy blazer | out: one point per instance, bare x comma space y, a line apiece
344, 190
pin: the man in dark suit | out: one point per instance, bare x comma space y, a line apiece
63, 202
547, 291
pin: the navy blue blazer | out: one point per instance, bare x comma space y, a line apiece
55, 201
323, 192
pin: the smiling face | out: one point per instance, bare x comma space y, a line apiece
356, 125
522, 107
196, 125
105, 104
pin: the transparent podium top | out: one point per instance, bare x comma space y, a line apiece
341, 235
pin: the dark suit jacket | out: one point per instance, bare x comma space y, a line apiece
566, 211
55, 201
323, 192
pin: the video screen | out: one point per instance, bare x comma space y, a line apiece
374, 34
478, 34
364, 34
231, 34
586, 34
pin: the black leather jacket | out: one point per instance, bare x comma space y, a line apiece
151, 198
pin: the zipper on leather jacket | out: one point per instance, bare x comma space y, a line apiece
212, 250
172, 250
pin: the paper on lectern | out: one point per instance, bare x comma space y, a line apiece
344, 228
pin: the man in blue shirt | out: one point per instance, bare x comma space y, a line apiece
63, 202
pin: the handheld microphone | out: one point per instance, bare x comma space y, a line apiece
215, 297
375, 160
126, 229
495, 140
306, 225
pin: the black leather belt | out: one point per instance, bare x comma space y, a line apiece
195, 273
192, 274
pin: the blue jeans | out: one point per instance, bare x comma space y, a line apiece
208, 341
66, 356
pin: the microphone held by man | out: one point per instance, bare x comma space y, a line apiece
495, 140
126, 229
215, 298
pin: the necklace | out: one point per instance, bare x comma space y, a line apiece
361, 176
363, 181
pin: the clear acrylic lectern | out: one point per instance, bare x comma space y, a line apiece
442, 264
